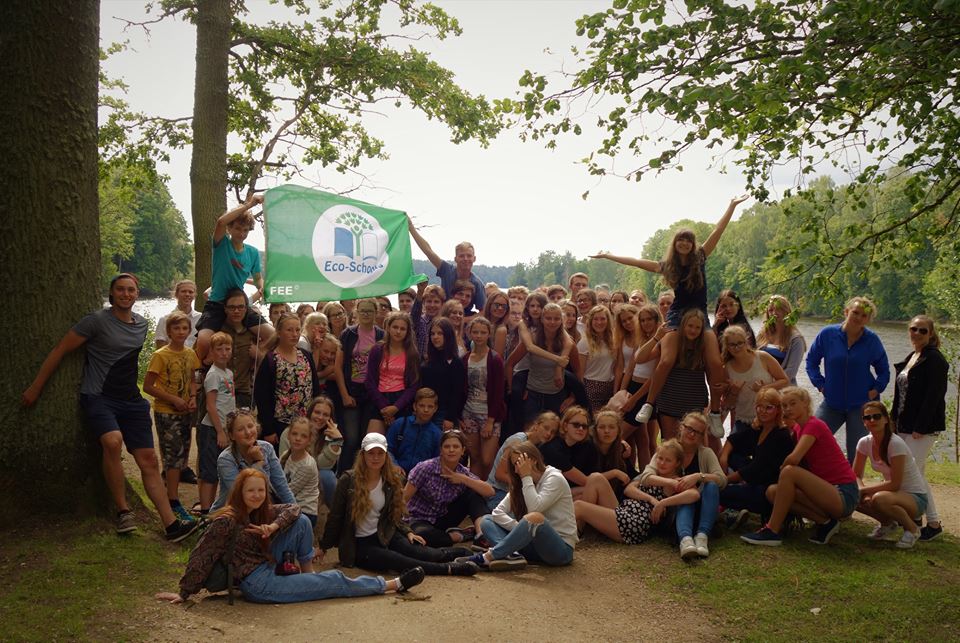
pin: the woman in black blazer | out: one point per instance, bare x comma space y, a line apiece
919, 408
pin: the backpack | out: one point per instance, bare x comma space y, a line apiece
220, 577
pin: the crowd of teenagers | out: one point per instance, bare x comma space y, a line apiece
476, 429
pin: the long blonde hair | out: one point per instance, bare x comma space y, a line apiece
768, 331
362, 504
596, 342
620, 334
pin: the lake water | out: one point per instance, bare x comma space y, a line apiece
893, 334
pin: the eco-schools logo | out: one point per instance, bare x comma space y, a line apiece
349, 246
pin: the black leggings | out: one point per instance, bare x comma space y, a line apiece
400, 555
468, 503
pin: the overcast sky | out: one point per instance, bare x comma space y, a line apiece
513, 199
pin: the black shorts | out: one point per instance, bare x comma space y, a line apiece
103, 414
214, 315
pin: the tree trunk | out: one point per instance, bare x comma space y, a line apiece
50, 248
208, 165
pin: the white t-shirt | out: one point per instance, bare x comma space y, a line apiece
160, 335
599, 364
912, 482
368, 526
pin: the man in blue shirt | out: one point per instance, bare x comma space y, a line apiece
449, 273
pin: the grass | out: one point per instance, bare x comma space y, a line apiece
860, 590
80, 580
943, 473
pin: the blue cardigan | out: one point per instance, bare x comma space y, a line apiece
846, 379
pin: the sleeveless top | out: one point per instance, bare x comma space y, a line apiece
745, 400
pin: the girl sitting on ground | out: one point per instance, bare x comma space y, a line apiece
264, 532
247, 452
535, 521
632, 521
701, 471
752, 459
572, 452
366, 520
540, 431
903, 493
824, 489
300, 469
441, 493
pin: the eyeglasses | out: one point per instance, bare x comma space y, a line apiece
918, 329
735, 344
872, 417
578, 425
766, 407
498, 305
236, 307
690, 429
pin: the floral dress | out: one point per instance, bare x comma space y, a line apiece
294, 388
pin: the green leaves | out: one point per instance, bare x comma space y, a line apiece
807, 82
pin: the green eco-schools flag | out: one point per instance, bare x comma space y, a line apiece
321, 246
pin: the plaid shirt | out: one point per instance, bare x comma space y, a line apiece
434, 494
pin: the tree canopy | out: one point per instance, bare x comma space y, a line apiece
777, 87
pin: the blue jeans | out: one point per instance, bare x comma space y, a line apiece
263, 586
328, 484
539, 543
708, 507
835, 418
494, 500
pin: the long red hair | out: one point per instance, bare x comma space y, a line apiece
236, 508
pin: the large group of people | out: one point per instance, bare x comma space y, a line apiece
479, 429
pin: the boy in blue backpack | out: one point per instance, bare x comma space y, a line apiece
415, 438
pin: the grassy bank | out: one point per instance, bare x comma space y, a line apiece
69, 581
853, 589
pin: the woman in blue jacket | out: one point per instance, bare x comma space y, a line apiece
848, 352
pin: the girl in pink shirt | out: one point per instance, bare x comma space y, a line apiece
393, 372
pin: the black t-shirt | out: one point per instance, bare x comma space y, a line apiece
685, 299
694, 466
582, 455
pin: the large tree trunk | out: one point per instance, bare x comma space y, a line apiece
208, 166
50, 247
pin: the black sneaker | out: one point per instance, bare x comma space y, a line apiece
410, 578
187, 476
929, 533
178, 530
825, 532
462, 569
508, 564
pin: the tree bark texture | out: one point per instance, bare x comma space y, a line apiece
208, 165
50, 248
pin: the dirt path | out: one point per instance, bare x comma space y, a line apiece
585, 601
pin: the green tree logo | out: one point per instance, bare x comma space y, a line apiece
356, 224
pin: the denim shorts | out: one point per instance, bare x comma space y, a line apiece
922, 501
850, 496
104, 414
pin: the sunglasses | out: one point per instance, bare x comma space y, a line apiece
242, 410
918, 329
872, 417
578, 425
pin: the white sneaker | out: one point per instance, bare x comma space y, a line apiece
907, 540
881, 532
646, 411
716, 425
700, 540
687, 548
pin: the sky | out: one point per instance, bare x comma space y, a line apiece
514, 199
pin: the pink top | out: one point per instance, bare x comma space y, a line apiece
391, 373
824, 459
